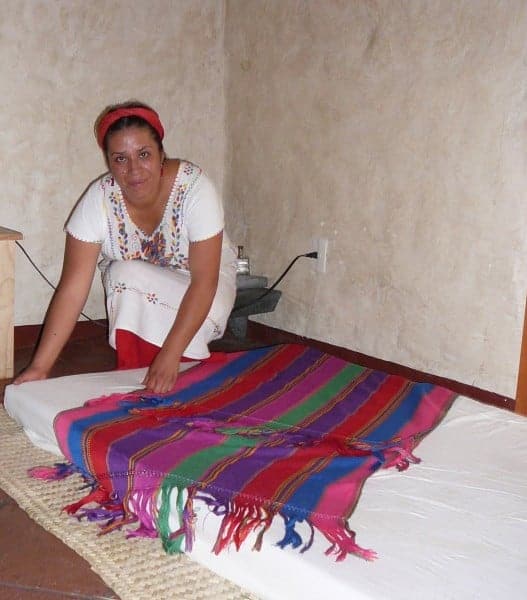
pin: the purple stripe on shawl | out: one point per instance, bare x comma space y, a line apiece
151, 469
308, 386
167, 457
346, 406
267, 389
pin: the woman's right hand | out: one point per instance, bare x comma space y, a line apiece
80, 260
30, 373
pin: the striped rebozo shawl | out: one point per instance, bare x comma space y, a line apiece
285, 431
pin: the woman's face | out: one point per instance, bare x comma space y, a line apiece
135, 161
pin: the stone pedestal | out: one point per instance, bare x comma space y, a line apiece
251, 301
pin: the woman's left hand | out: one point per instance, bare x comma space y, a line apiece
162, 373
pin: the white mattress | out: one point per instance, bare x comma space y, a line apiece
452, 527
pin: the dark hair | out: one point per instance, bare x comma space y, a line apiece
125, 122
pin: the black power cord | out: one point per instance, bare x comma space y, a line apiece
269, 290
49, 282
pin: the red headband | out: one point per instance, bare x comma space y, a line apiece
149, 115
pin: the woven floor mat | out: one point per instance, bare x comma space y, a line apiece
135, 569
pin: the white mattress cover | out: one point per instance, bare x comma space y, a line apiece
452, 527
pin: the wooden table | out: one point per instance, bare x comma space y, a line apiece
7, 299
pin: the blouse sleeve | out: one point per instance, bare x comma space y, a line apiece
203, 211
87, 221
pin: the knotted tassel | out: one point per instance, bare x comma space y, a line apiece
253, 519
343, 541
99, 495
229, 524
395, 452
143, 505
173, 541
188, 519
216, 506
402, 460
266, 523
292, 537
55, 473
117, 523
143, 532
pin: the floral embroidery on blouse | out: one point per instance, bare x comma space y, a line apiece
153, 249
163, 246
119, 212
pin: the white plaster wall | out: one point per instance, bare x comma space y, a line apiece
61, 62
396, 129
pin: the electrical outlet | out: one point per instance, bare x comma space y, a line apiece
321, 247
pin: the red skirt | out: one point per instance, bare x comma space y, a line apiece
133, 352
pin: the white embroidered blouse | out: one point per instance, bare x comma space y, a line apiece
193, 212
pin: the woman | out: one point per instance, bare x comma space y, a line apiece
167, 267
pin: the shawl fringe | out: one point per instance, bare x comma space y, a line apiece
152, 508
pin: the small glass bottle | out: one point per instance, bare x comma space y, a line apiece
242, 263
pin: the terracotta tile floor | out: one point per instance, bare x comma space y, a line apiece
34, 565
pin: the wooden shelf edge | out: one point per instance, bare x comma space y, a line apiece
10, 234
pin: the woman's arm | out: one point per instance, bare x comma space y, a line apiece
80, 259
204, 263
